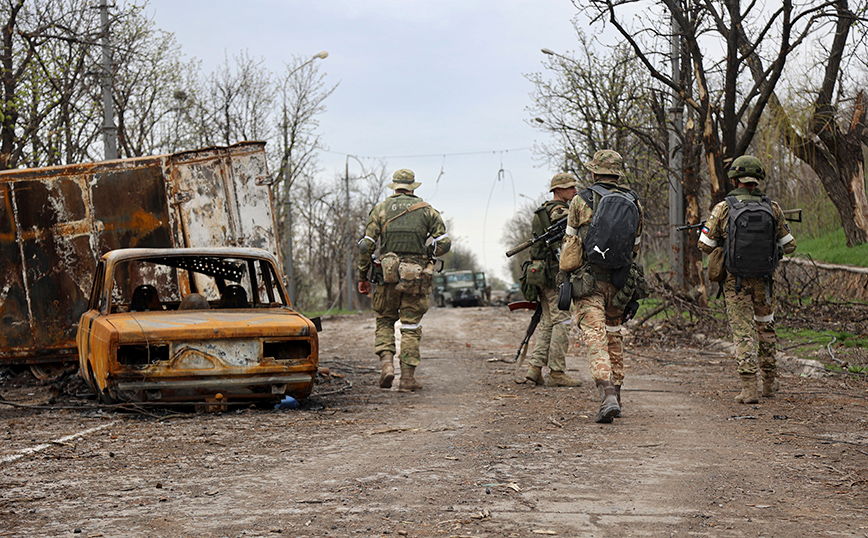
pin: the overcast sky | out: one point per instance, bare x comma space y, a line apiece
434, 86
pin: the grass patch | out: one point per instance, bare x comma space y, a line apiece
811, 344
831, 247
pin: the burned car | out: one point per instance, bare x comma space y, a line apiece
194, 325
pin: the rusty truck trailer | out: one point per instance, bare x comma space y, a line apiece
56, 222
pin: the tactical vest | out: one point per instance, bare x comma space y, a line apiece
541, 222
407, 233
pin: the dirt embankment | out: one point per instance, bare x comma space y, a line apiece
473, 454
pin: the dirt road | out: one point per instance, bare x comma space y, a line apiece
473, 454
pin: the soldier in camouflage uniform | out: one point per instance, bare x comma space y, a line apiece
750, 311
552, 333
596, 316
403, 225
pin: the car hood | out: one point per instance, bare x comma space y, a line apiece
208, 324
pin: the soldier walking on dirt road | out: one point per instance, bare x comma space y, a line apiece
402, 226
750, 256
553, 335
600, 245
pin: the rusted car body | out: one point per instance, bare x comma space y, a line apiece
242, 342
56, 222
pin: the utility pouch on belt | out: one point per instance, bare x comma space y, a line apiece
565, 295
571, 253
583, 282
716, 267
410, 277
536, 273
390, 262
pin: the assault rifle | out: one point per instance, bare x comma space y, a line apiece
531, 327
553, 233
792, 215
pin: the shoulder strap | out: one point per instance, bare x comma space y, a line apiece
414, 207
588, 196
601, 190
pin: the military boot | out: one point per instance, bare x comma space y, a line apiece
609, 408
408, 382
748, 393
618, 397
387, 370
560, 379
770, 384
534, 373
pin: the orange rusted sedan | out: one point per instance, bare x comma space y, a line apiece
193, 325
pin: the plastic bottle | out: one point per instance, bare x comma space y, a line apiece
288, 402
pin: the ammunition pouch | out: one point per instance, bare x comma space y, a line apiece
390, 263
583, 282
565, 295
414, 278
536, 273
635, 287
529, 292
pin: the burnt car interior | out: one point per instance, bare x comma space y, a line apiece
194, 283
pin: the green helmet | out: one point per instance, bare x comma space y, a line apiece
747, 167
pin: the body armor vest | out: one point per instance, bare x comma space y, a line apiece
407, 233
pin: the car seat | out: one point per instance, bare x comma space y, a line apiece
145, 298
234, 296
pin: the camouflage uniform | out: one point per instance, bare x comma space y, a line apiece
405, 233
552, 333
598, 319
750, 311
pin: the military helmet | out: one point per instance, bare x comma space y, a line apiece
747, 169
606, 162
563, 180
404, 179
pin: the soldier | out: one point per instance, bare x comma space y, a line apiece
750, 304
402, 225
596, 315
553, 337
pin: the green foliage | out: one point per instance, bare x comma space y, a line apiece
831, 247
808, 343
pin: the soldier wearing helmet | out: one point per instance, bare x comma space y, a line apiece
553, 339
597, 313
408, 233
750, 304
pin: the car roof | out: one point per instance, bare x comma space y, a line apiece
218, 252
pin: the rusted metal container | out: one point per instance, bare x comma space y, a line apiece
56, 222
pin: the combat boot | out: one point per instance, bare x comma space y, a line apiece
408, 381
387, 370
618, 397
534, 373
748, 393
609, 408
561, 379
770, 384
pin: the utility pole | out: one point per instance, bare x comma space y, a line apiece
350, 291
110, 132
676, 168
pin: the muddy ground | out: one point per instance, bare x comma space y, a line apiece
473, 454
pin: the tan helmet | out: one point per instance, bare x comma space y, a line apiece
606, 162
563, 180
404, 179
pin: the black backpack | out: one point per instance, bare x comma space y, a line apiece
611, 235
751, 245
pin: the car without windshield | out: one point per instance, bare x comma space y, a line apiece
193, 325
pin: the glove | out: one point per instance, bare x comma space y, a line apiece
561, 277
630, 311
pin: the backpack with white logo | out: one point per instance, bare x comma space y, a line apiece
612, 233
751, 244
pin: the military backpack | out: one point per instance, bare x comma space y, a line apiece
611, 234
751, 247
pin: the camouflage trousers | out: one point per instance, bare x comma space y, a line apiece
752, 320
552, 333
600, 323
390, 305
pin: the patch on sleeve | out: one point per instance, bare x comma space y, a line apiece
705, 230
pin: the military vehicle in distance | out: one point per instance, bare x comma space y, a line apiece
460, 288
